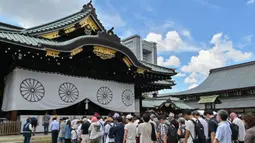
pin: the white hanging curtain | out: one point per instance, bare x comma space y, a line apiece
30, 90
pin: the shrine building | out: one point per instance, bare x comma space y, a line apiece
231, 88
73, 66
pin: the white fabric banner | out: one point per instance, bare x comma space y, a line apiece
30, 90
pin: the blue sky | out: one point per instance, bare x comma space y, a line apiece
193, 36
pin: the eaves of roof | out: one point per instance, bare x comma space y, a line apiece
161, 69
67, 46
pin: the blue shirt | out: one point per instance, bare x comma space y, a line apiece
54, 125
224, 133
117, 132
68, 131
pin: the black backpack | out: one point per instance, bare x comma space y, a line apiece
172, 136
153, 132
183, 132
235, 131
199, 132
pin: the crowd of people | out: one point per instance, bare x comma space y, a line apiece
186, 127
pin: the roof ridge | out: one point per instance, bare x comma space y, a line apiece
38, 26
232, 66
87, 9
11, 26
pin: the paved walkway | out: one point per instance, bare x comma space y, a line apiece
19, 138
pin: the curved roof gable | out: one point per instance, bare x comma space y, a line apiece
87, 10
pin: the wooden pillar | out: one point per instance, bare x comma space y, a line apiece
13, 116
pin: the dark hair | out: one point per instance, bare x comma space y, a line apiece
28, 120
182, 121
187, 112
196, 113
68, 123
162, 117
210, 112
223, 114
54, 118
146, 117
119, 119
249, 119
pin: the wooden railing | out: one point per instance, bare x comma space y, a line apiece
10, 128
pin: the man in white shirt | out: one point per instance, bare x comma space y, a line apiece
196, 114
145, 130
190, 127
129, 130
54, 127
241, 126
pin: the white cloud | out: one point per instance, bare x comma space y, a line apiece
30, 12
180, 75
111, 20
245, 41
186, 33
219, 55
193, 86
192, 78
207, 4
171, 61
35, 12
171, 42
250, 1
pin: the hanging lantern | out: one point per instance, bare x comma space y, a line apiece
86, 104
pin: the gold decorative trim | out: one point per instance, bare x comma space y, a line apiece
51, 35
89, 21
104, 53
52, 53
69, 29
127, 62
140, 71
76, 51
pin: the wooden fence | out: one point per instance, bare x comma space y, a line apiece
10, 128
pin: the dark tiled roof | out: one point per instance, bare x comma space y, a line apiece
154, 102
159, 68
87, 10
58, 24
165, 82
17, 38
227, 78
8, 27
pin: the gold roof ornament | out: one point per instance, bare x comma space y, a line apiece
140, 71
52, 53
76, 51
51, 35
104, 53
69, 29
127, 62
89, 22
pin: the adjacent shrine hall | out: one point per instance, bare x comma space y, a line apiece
72, 66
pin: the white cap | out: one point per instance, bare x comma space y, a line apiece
129, 116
